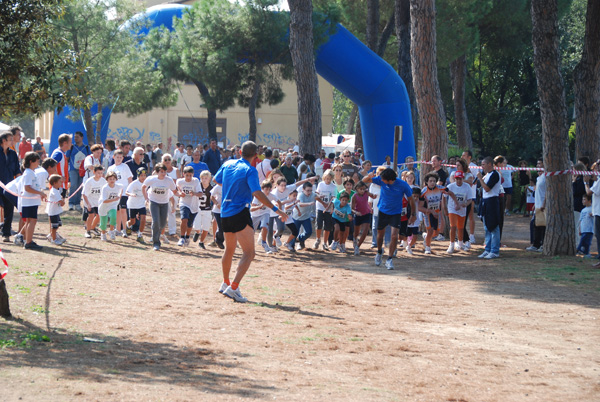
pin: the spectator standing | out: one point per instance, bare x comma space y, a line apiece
264, 167
24, 147
212, 157
76, 156
9, 169
539, 217
289, 171
60, 156
490, 208
39, 148
348, 168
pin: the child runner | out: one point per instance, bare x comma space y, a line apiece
362, 210
32, 195
342, 213
376, 189
289, 205
110, 195
202, 222
586, 227
124, 177
530, 201
304, 211
431, 204
216, 195
260, 214
136, 203
412, 230
159, 197
348, 188
458, 198
327, 190
54, 208
190, 188
91, 199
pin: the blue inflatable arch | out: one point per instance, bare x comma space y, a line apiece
347, 64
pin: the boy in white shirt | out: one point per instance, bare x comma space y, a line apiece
31, 197
216, 194
124, 177
260, 214
91, 199
54, 208
413, 229
202, 222
136, 203
108, 203
327, 190
190, 188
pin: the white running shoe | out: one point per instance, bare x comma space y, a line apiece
236, 295
378, 259
356, 250
409, 250
334, 245
87, 234
187, 242
389, 264
112, 235
265, 246
278, 241
483, 255
164, 239
290, 247
427, 250
19, 239
124, 233
317, 244
491, 256
103, 236
439, 237
472, 239
402, 244
325, 246
450, 249
181, 242
342, 248
223, 287
531, 248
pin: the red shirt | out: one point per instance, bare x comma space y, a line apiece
24, 147
326, 164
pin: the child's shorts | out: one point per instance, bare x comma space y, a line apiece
324, 221
293, 228
93, 210
431, 221
342, 225
134, 213
203, 221
530, 207
261, 221
55, 221
412, 231
361, 220
30, 212
123, 203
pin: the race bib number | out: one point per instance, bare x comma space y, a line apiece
325, 198
160, 190
460, 198
404, 211
339, 213
203, 199
433, 205
113, 196
95, 191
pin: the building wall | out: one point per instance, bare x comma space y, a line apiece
277, 128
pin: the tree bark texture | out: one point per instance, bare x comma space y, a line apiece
352, 119
402, 19
458, 73
305, 73
89, 127
586, 77
4, 304
252, 110
560, 222
98, 132
426, 85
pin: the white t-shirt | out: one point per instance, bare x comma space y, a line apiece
283, 195
185, 159
530, 195
540, 192
160, 190
418, 220
375, 189
494, 191
42, 177
137, 200
109, 193
507, 176
123, 174
15, 187
53, 207
177, 155
92, 190
263, 169
190, 188
463, 194
30, 179
327, 193
217, 192
263, 210
89, 163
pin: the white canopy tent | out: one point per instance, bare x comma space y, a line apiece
3, 127
346, 145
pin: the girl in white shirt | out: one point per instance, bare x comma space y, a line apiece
91, 198
124, 177
158, 190
107, 206
31, 198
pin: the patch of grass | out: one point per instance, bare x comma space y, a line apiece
10, 341
38, 309
568, 273
23, 289
355, 339
41, 275
43, 285
37, 337
288, 322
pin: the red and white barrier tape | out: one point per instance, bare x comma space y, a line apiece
3, 186
559, 172
5, 272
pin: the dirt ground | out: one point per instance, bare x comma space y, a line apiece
320, 326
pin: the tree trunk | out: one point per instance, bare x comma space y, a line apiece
98, 126
358, 134
305, 73
372, 24
402, 18
586, 77
427, 88
87, 122
385, 35
4, 304
352, 120
560, 222
212, 113
458, 73
252, 109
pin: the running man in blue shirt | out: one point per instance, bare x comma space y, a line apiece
240, 183
393, 191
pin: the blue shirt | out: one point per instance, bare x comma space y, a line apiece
198, 168
9, 166
340, 213
213, 160
390, 199
586, 221
239, 180
73, 156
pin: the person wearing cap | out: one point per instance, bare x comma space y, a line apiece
240, 183
457, 210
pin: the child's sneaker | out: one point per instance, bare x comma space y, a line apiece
201, 245
439, 237
427, 250
102, 236
301, 245
187, 242
265, 246
378, 259
466, 246
140, 238
124, 233
96, 232
325, 246
278, 242
20, 239
317, 244
112, 235
164, 239
57, 242
181, 242
472, 239
128, 229
389, 264
88, 234
356, 250
450, 249
236, 295
343, 248
334, 245
290, 247
409, 250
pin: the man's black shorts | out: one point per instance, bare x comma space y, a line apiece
391, 220
237, 222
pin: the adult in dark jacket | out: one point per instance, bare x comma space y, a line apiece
9, 169
212, 157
